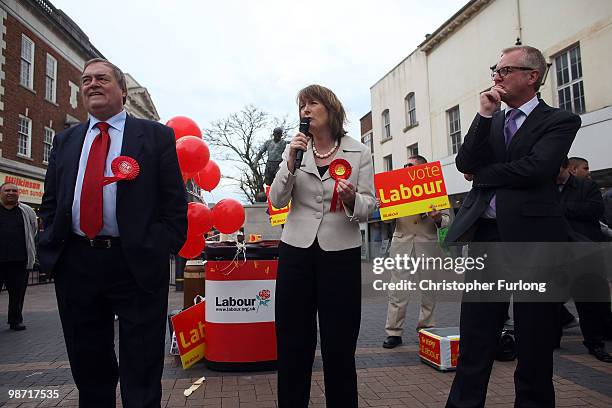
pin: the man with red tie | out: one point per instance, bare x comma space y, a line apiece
107, 243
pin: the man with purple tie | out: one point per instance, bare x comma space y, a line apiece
512, 156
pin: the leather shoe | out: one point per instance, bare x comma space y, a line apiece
601, 354
392, 342
18, 327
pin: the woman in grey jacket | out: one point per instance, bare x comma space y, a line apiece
319, 270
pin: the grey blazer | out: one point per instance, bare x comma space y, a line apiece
311, 194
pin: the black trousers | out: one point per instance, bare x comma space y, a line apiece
481, 323
92, 285
14, 276
311, 281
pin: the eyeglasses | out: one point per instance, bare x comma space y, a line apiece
504, 71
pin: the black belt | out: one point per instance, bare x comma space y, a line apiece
101, 241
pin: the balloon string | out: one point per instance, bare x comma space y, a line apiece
240, 249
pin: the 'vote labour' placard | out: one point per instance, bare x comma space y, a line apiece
411, 190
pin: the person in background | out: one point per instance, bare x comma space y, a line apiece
319, 264
579, 167
18, 229
414, 235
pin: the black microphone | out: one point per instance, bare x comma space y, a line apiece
304, 126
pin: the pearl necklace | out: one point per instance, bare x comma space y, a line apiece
325, 155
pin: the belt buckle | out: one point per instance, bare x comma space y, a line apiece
100, 243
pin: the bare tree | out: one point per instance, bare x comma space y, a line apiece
239, 136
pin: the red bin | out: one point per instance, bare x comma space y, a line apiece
240, 289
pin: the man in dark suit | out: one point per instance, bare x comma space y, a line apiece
108, 246
512, 157
582, 205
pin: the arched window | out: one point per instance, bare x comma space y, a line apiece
386, 122
410, 105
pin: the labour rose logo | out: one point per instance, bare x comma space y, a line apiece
263, 297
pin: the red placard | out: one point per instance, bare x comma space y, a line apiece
429, 348
411, 190
190, 334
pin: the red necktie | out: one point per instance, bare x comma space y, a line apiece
91, 192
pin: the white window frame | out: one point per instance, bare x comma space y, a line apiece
47, 144
51, 79
26, 63
386, 125
573, 83
410, 105
388, 163
453, 116
412, 150
24, 133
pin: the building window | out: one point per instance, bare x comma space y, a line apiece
24, 139
454, 128
570, 90
48, 142
410, 110
386, 121
27, 62
367, 140
50, 78
388, 163
413, 150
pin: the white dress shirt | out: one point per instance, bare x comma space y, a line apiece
526, 108
109, 194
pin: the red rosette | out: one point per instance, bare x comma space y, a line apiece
339, 169
124, 168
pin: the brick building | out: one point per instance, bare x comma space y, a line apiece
42, 54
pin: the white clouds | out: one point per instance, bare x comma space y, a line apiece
207, 59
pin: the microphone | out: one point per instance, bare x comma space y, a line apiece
304, 126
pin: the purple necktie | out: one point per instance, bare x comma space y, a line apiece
510, 127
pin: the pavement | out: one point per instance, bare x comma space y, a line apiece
35, 360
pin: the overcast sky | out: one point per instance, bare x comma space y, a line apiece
208, 59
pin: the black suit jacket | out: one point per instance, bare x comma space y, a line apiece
523, 176
151, 209
582, 205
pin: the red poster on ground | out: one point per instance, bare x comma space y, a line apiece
411, 190
190, 334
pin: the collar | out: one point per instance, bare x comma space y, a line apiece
527, 107
117, 121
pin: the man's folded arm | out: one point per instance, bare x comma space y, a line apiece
539, 166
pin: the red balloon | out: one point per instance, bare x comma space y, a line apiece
183, 126
228, 215
193, 247
199, 218
208, 178
193, 154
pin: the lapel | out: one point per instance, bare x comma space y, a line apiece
499, 142
131, 146
308, 161
526, 129
343, 153
72, 156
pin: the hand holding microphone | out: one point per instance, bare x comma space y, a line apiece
299, 144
